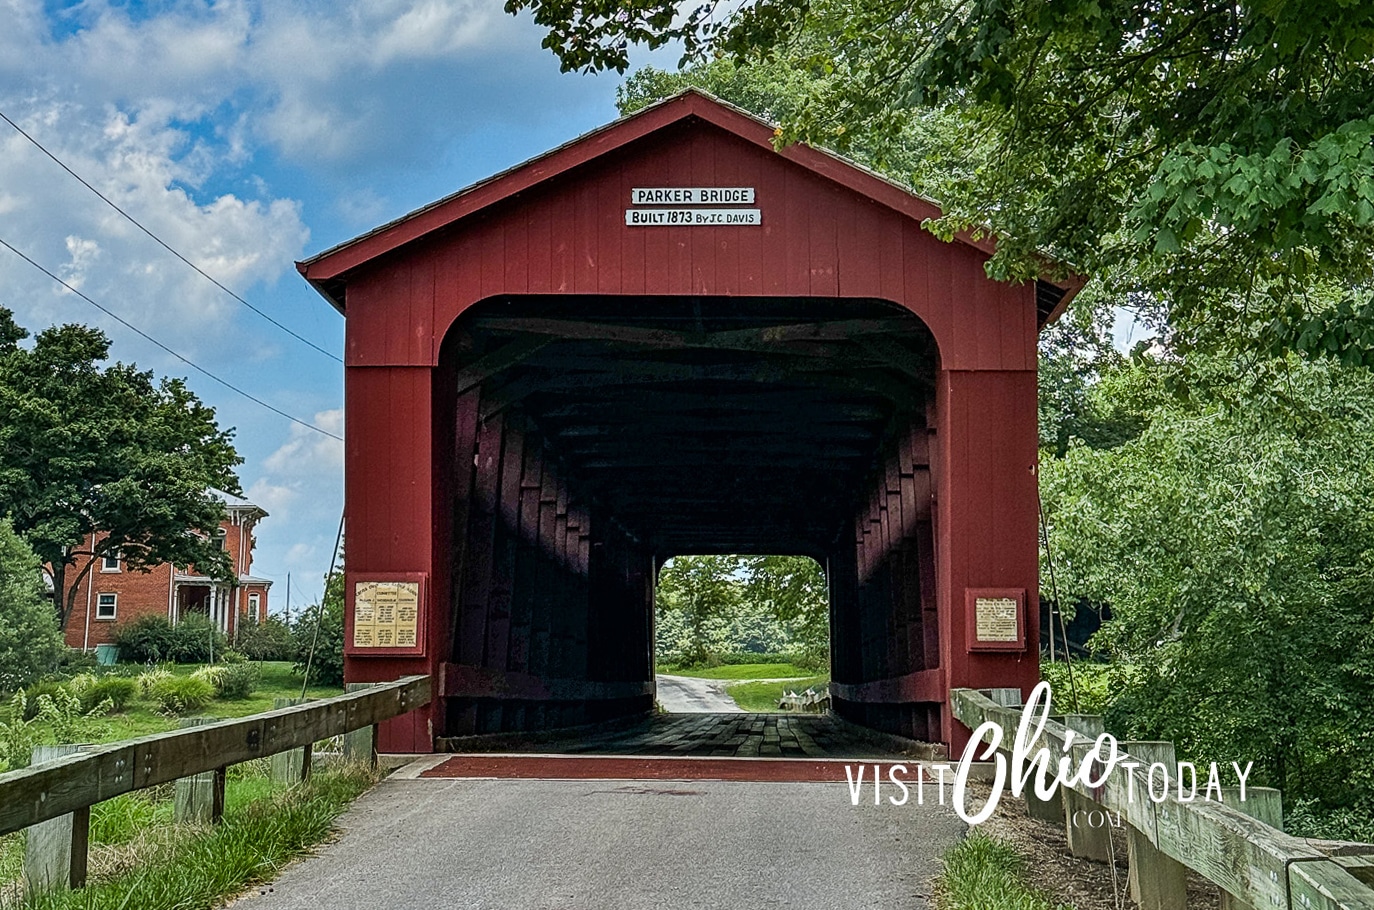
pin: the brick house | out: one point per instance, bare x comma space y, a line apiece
111, 593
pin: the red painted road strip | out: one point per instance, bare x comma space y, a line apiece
577, 768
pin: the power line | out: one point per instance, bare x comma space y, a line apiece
133, 328
136, 223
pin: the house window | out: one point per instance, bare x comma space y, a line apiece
105, 606
222, 538
110, 562
253, 601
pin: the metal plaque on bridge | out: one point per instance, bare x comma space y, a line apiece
996, 619
387, 616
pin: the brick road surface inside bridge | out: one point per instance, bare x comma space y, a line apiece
616, 844
719, 735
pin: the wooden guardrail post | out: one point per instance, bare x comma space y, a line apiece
1262, 803
360, 745
293, 766
199, 799
56, 851
1085, 839
1157, 881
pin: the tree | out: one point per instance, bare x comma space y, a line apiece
30, 640
318, 634
89, 447
711, 606
1213, 159
793, 589
702, 591
1234, 541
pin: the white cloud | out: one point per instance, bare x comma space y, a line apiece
136, 161
308, 453
274, 498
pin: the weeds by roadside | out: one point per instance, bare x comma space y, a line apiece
981, 873
161, 867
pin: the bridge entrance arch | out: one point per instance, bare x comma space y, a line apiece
666, 337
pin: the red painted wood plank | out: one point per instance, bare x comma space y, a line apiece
822, 242
503, 578
900, 264
491, 256
515, 247
538, 250
701, 240
560, 211
796, 235
477, 568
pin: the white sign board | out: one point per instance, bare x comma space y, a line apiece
692, 195
658, 217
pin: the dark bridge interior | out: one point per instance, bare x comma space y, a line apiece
598, 436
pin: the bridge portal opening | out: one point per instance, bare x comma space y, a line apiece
733, 632
595, 437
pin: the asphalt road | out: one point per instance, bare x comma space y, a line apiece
689, 695
619, 845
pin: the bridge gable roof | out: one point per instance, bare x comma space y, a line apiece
328, 271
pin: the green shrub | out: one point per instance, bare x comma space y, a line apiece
212, 675
182, 694
49, 687
266, 640
980, 872
196, 640
151, 678
237, 680
51, 716
147, 639
152, 639
74, 661
117, 690
326, 667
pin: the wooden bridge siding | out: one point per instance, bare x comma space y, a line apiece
985, 521
408, 508
883, 625
539, 598
818, 239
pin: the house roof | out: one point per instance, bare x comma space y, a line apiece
182, 578
327, 271
238, 503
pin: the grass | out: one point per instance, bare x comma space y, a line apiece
763, 696
981, 873
209, 865
745, 671
142, 717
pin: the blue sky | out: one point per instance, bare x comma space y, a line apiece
249, 135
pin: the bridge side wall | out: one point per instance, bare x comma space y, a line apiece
552, 605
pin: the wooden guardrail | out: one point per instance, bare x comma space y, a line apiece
75, 782
812, 701
1255, 863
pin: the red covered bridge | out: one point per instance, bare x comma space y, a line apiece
662, 338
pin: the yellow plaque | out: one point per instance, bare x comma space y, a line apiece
386, 614
996, 619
